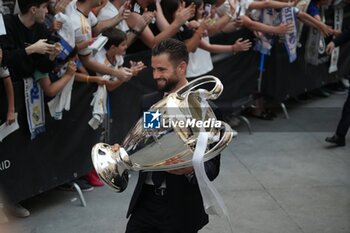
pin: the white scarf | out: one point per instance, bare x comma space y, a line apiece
61, 101
338, 21
99, 105
290, 41
34, 100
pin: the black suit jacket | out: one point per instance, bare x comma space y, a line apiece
184, 198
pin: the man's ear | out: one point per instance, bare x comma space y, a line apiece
182, 66
32, 10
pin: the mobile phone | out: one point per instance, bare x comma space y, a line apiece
53, 39
207, 9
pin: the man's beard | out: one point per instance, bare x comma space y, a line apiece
169, 85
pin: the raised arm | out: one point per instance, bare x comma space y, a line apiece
162, 23
123, 73
269, 4
124, 13
193, 42
257, 26
150, 40
53, 88
313, 22
222, 22
238, 46
10, 118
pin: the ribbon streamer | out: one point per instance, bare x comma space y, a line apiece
212, 200
290, 41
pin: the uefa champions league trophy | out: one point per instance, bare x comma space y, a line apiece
168, 143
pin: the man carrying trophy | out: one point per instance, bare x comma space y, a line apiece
176, 145
168, 201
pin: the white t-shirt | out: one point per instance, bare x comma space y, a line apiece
199, 62
242, 7
82, 25
108, 12
101, 58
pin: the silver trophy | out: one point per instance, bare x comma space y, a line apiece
169, 144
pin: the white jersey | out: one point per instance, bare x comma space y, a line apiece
82, 25
101, 58
242, 8
108, 12
199, 62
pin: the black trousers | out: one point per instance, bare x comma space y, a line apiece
152, 214
344, 123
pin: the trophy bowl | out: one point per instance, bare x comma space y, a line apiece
168, 141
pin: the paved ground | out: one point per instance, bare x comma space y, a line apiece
281, 179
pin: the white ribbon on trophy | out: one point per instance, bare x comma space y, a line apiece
212, 200
338, 22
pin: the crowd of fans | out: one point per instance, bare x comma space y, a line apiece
52, 43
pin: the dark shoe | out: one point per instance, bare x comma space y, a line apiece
335, 139
337, 88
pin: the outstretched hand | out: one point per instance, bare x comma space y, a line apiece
185, 13
136, 67
241, 45
285, 28
115, 147
330, 47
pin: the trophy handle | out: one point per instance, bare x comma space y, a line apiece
214, 93
229, 133
112, 167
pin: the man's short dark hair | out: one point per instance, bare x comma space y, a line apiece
176, 50
25, 5
115, 37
